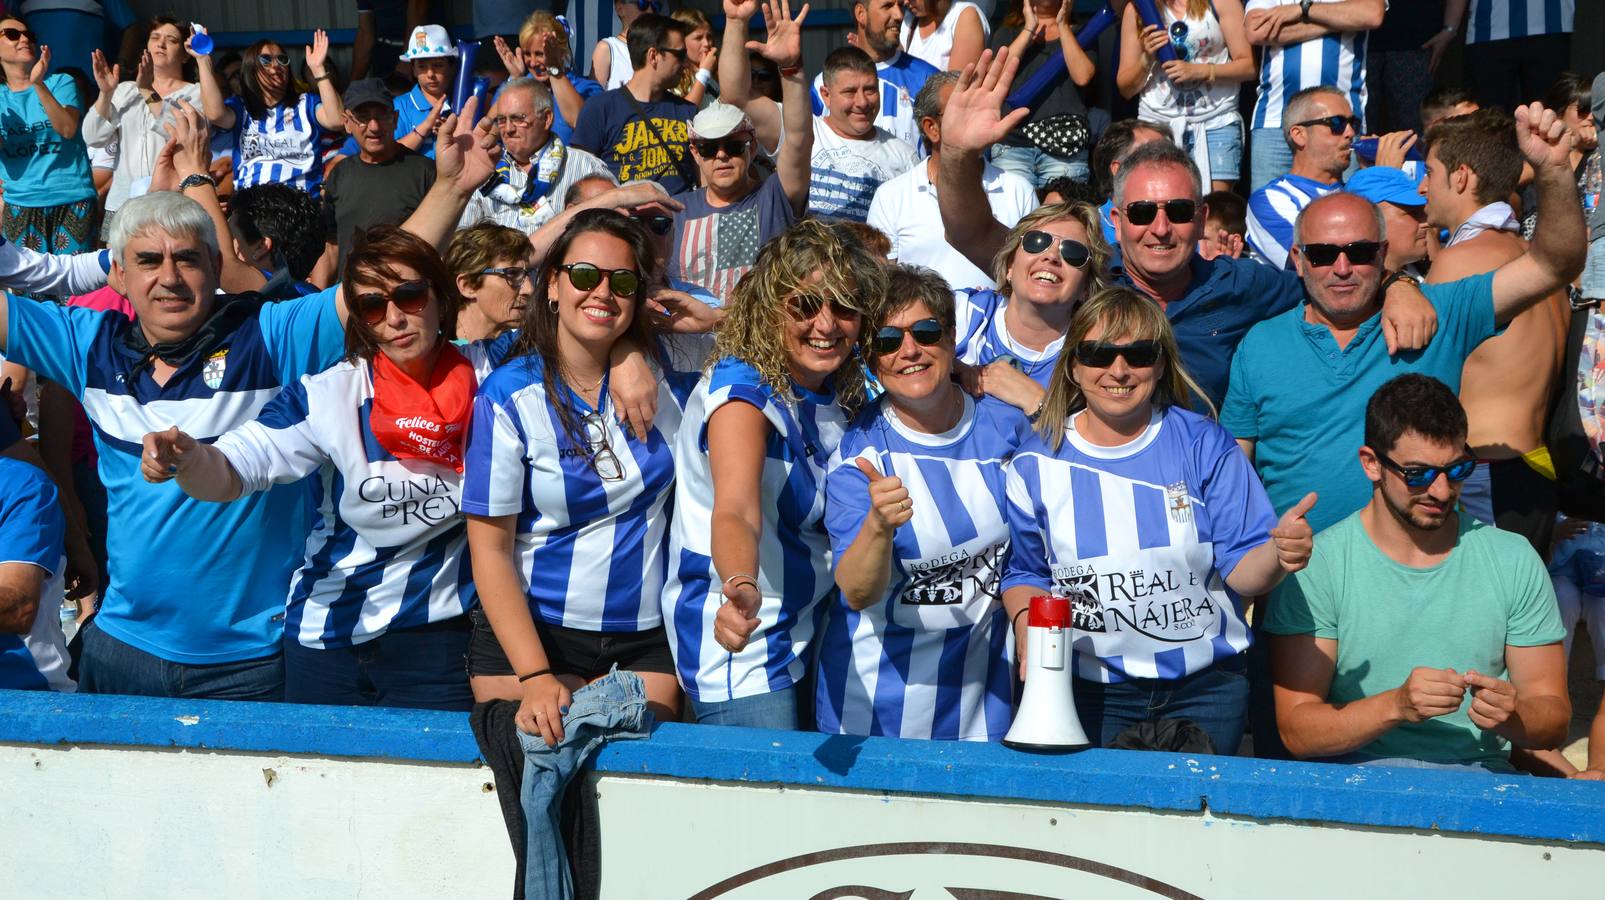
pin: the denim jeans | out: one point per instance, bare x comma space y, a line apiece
1225, 151
419, 668
1594, 271
612, 707
110, 666
776, 710
1037, 167
1269, 157
1215, 699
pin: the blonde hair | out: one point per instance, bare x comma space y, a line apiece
694, 20
1121, 311
1084, 213
757, 313
539, 22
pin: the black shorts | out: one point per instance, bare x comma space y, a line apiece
573, 651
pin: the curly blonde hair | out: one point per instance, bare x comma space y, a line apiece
1076, 211
757, 312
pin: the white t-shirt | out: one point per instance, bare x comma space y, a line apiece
905, 208
846, 172
938, 46
619, 68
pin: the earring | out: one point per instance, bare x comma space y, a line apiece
553, 305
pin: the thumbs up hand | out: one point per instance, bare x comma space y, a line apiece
1294, 537
889, 503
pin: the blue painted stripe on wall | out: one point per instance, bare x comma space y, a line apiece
1445, 801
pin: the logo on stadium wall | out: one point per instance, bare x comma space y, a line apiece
216, 367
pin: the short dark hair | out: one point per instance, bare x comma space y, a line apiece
1440, 100
374, 256
907, 285
1069, 190
1229, 209
1569, 90
1156, 153
847, 59
291, 217
647, 33
1418, 403
1114, 143
1486, 142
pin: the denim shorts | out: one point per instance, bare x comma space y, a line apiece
1594, 271
1225, 152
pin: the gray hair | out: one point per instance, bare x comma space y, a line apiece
167, 211
1156, 153
1376, 212
928, 102
1300, 105
540, 94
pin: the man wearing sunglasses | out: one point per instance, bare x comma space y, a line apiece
1297, 379
1320, 127
739, 208
639, 129
1418, 636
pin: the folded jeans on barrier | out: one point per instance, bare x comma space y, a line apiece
611, 708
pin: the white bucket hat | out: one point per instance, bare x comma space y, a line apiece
429, 42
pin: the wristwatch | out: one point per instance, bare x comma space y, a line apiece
556, 71
1304, 10
1399, 276
196, 180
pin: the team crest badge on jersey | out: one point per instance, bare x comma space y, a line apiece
216, 366
1177, 504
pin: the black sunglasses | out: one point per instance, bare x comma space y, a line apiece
269, 59
733, 147
515, 275
1074, 253
1424, 476
409, 296
14, 34
1143, 212
1100, 355
585, 276
658, 223
889, 338
676, 52
1334, 124
1360, 253
807, 306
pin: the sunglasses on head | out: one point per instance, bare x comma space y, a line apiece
732, 147
807, 306
273, 59
889, 338
1334, 124
409, 296
656, 222
1424, 476
1074, 253
1360, 253
515, 275
1101, 355
16, 34
586, 276
1143, 212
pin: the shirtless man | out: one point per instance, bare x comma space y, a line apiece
1473, 164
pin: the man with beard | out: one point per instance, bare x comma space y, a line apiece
877, 25
1320, 127
1418, 636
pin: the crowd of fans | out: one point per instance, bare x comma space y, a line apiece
787, 391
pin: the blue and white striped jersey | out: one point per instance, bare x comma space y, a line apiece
32, 530
793, 550
593, 509
1140, 538
1497, 20
901, 77
284, 145
1334, 60
165, 548
929, 659
1272, 210
387, 547
983, 336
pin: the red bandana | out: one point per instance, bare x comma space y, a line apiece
415, 421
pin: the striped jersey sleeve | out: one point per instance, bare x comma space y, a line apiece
279, 447
1272, 210
1335, 60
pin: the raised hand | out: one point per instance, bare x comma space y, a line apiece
164, 172
741, 9
1542, 137
1031, 25
783, 43
36, 75
106, 77
192, 145
190, 48
973, 120
1293, 536
737, 619
463, 152
1393, 147
318, 53
166, 454
710, 60
145, 75
511, 59
1493, 700
889, 503
1429, 693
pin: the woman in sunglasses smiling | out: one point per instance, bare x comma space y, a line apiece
568, 512
376, 612
915, 505
278, 131
750, 576
1151, 520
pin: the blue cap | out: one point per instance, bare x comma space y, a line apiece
1381, 184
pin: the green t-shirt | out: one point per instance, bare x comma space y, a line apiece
1387, 618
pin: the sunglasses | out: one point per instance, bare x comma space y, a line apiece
1143, 212
1424, 476
409, 296
807, 306
659, 224
733, 147
515, 275
1178, 41
676, 52
1074, 253
585, 276
889, 339
1100, 355
1334, 124
16, 34
273, 59
1360, 253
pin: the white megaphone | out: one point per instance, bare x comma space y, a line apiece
1047, 717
